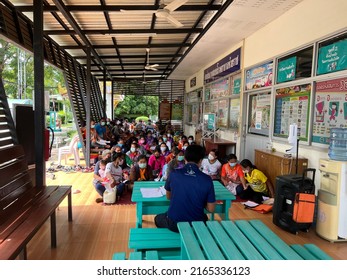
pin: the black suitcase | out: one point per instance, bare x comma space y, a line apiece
286, 188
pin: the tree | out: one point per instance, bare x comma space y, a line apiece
137, 105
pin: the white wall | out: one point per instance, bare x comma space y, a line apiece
306, 22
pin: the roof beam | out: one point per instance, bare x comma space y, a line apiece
129, 46
77, 29
140, 56
126, 64
117, 8
125, 31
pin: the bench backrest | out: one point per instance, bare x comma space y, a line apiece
16, 188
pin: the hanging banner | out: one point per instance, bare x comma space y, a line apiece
224, 67
332, 58
165, 110
177, 110
286, 70
292, 106
260, 76
330, 109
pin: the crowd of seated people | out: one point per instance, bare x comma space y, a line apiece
140, 151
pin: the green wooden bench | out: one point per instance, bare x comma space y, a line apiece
276, 242
166, 242
310, 252
149, 255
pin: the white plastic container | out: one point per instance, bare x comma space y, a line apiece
338, 144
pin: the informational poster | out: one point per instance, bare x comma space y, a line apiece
217, 90
223, 113
292, 106
165, 110
286, 70
332, 58
259, 121
330, 109
236, 86
234, 113
260, 76
195, 113
209, 121
177, 110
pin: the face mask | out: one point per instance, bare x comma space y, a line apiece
142, 165
108, 123
163, 149
164, 139
180, 158
210, 157
92, 126
142, 141
190, 141
232, 164
169, 135
152, 148
160, 143
184, 147
132, 149
102, 123
118, 122
120, 145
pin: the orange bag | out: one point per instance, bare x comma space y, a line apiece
304, 205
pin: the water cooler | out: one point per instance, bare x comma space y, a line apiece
332, 200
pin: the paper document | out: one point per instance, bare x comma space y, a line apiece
250, 203
153, 192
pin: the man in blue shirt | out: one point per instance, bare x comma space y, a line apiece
101, 128
190, 192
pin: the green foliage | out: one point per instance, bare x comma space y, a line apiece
137, 105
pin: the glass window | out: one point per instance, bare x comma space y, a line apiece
295, 66
259, 113
332, 55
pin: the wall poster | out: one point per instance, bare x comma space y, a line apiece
330, 109
222, 113
260, 76
217, 90
292, 105
234, 113
259, 110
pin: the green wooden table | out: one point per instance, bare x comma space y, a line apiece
157, 205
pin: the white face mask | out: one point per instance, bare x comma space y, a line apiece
210, 157
163, 149
132, 149
190, 141
142, 165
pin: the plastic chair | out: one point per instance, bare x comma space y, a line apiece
68, 150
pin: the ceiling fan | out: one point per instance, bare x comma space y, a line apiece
148, 66
165, 11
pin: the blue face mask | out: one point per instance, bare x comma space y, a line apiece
180, 158
232, 164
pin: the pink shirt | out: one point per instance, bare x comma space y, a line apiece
157, 163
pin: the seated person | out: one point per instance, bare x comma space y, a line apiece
176, 163
141, 171
182, 188
172, 155
133, 153
211, 165
232, 175
258, 184
97, 181
114, 172
157, 161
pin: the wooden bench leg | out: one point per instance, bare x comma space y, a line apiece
69, 207
53, 231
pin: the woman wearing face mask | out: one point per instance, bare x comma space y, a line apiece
141, 171
211, 165
133, 153
232, 175
258, 184
114, 172
156, 161
177, 163
164, 151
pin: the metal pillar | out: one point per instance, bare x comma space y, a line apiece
88, 112
112, 99
104, 94
39, 101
